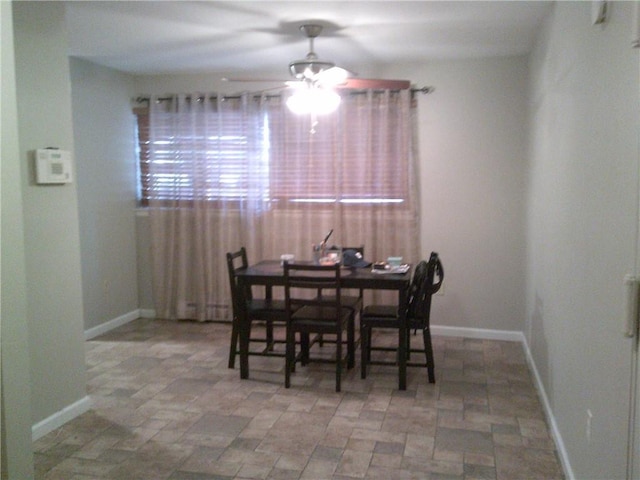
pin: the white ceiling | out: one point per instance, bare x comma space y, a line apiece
151, 37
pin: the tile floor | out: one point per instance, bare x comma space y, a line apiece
165, 406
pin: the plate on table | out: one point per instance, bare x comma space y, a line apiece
395, 269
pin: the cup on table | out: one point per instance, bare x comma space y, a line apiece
287, 257
394, 261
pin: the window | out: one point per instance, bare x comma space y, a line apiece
355, 157
201, 160
352, 158
143, 153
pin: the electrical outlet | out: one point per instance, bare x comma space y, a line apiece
588, 429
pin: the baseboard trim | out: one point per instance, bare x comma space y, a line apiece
59, 418
486, 334
555, 432
147, 313
111, 324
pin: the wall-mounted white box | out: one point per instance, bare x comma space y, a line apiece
53, 166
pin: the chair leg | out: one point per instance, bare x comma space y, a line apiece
269, 334
351, 342
364, 343
289, 357
338, 360
233, 347
304, 348
428, 350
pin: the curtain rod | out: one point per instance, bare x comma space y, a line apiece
423, 90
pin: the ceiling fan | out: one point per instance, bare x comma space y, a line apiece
311, 71
311, 68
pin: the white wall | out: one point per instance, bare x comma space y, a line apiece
106, 178
583, 203
16, 457
473, 131
51, 240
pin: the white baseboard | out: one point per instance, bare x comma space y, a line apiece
76, 409
555, 432
508, 335
147, 313
59, 418
111, 324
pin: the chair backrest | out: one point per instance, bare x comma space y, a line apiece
300, 279
435, 270
420, 302
416, 290
237, 261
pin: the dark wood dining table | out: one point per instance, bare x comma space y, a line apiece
270, 273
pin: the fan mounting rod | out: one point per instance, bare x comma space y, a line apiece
310, 65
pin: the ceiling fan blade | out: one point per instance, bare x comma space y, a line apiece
253, 80
297, 84
272, 89
375, 83
312, 72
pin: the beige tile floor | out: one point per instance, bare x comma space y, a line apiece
165, 406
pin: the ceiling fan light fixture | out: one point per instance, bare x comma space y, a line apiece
309, 67
313, 100
333, 76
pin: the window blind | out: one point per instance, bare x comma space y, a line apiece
205, 156
357, 155
352, 156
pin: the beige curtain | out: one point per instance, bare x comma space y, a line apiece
232, 172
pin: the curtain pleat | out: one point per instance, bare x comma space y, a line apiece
245, 172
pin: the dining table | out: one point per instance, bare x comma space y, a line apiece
270, 273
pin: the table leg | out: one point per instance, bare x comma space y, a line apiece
243, 334
402, 341
244, 331
269, 325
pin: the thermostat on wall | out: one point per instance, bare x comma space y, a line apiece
53, 166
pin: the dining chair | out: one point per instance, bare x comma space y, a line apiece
353, 301
423, 286
271, 312
309, 313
